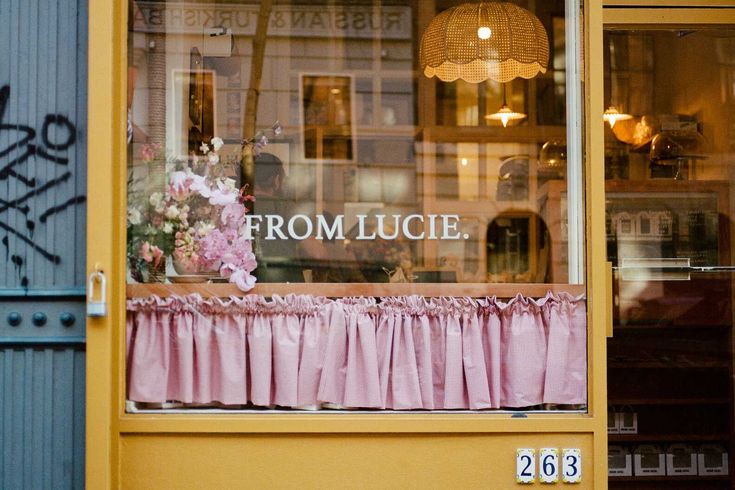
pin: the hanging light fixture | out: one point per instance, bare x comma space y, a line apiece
505, 114
487, 40
612, 116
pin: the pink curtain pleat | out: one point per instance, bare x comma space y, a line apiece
311, 362
566, 363
523, 344
421, 329
362, 387
473, 359
332, 383
491, 346
405, 385
260, 346
403, 353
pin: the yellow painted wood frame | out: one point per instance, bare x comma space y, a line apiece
657, 18
310, 450
668, 3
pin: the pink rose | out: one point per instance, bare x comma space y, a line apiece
151, 253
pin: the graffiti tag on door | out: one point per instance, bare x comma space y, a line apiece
20, 214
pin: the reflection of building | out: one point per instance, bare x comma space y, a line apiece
359, 125
665, 226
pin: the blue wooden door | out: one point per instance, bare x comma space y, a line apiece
43, 116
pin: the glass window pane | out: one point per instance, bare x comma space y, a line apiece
669, 188
317, 150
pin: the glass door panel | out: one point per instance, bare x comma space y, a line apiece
669, 154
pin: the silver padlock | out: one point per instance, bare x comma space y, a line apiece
97, 307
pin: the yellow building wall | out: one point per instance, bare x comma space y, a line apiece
304, 451
307, 461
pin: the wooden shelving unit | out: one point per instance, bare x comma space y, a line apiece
674, 374
669, 365
667, 361
668, 437
669, 401
670, 479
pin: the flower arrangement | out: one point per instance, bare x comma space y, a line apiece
152, 224
198, 220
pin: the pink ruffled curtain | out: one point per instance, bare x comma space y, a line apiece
399, 353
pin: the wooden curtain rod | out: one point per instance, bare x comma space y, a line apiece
501, 290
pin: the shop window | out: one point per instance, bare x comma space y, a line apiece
317, 157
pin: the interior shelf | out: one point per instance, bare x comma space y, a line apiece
668, 437
669, 478
669, 365
669, 401
666, 327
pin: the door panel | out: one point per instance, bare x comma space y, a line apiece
43, 114
669, 98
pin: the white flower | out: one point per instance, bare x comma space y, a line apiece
204, 229
199, 185
230, 184
134, 216
168, 227
204, 148
156, 199
217, 143
178, 178
213, 158
172, 212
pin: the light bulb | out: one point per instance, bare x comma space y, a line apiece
612, 115
484, 32
505, 114
464, 162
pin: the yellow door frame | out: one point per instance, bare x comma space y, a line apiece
657, 18
106, 149
668, 3
108, 424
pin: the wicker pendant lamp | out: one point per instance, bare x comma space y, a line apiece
487, 40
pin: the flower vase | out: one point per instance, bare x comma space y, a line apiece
186, 268
157, 273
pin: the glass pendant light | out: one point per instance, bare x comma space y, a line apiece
611, 116
505, 114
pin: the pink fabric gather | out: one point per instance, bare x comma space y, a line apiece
401, 353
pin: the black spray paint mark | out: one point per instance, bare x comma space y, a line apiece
46, 254
18, 262
25, 145
4, 205
7, 247
57, 134
61, 207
